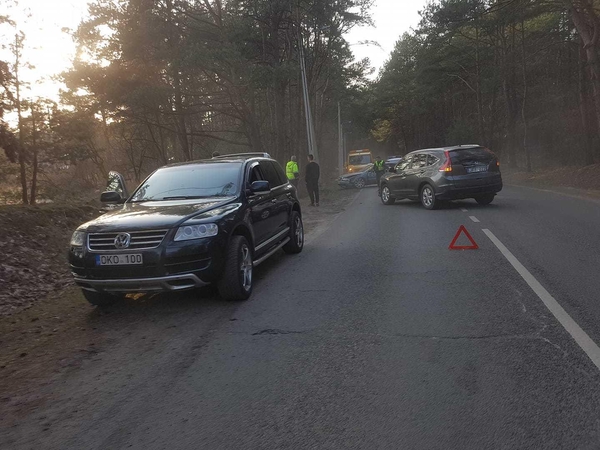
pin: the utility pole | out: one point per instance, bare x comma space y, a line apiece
310, 128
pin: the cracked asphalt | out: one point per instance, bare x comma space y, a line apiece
376, 336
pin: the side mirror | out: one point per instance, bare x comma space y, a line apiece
393, 169
111, 197
260, 187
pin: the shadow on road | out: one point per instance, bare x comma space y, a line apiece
453, 205
163, 305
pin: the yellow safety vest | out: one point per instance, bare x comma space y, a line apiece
291, 169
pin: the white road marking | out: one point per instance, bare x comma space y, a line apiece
464, 209
576, 332
474, 219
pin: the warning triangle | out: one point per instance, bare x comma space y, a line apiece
463, 230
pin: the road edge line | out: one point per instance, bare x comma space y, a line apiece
577, 333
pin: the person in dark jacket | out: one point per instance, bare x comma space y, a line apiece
313, 172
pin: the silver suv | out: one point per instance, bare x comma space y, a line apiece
448, 173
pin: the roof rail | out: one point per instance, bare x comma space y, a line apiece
243, 155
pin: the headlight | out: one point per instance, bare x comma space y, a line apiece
344, 179
187, 232
78, 239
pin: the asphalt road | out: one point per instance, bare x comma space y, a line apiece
376, 336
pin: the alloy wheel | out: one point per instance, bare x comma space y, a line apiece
299, 233
246, 267
427, 196
385, 194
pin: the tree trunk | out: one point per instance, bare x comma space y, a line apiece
480, 123
180, 113
23, 172
510, 95
588, 26
32, 199
524, 104
584, 107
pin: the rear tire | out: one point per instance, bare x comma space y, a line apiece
428, 199
386, 196
485, 199
236, 280
100, 299
296, 243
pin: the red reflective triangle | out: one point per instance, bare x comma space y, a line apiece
473, 245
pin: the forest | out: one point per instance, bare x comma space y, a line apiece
162, 81
518, 76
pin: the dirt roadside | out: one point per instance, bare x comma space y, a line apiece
59, 332
578, 181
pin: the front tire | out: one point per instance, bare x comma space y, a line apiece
360, 183
485, 199
428, 199
296, 243
236, 281
100, 299
386, 196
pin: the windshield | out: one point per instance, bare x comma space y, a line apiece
190, 181
356, 160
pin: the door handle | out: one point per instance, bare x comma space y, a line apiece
274, 200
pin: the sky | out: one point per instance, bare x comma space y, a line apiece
391, 18
50, 50
47, 47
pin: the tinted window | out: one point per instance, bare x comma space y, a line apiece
405, 164
282, 177
255, 174
419, 161
470, 156
431, 160
190, 181
116, 183
270, 173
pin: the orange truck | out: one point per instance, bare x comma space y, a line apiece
358, 160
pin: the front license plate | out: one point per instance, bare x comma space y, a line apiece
118, 260
477, 169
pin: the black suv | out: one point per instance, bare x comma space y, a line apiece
188, 225
437, 174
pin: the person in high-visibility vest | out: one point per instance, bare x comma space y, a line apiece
292, 171
379, 169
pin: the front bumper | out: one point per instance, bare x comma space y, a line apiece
346, 183
156, 284
172, 266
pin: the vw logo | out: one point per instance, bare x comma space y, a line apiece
122, 240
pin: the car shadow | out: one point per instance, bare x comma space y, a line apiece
193, 301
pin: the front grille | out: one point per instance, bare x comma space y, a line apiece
140, 240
